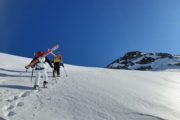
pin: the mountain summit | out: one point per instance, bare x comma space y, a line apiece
137, 60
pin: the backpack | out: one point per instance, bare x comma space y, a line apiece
57, 58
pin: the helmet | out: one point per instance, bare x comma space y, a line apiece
58, 56
39, 54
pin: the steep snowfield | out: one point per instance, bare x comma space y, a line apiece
88, 94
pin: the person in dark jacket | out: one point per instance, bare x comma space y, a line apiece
57, 64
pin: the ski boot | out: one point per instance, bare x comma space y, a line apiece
36, 87
44, 84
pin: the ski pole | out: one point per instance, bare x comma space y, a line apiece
32, 74
65, 71
53, 54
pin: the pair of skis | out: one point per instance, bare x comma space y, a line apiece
44, 55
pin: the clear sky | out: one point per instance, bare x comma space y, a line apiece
90, 32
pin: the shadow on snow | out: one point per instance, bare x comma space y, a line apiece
13, 70
8, 75
16, 87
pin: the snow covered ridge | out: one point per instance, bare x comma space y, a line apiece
137, 60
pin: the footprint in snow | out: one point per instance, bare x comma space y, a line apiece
20, 104
12, 99
16, 97
2, 118
11, 113
10, 107
7, 110
27, 93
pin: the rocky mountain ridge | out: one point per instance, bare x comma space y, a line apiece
137, 60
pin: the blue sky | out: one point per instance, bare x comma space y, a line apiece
90, 32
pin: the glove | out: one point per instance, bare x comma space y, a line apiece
52, 66
26, 67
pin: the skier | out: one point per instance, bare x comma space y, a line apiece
57, 64
40, 68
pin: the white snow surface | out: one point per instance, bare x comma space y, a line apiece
88, 94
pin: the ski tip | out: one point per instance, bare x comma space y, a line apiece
57, 45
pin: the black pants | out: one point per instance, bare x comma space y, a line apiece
56, 70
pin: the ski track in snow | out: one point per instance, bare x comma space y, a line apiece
150, 116
13, 102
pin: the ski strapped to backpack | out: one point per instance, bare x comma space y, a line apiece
44, 55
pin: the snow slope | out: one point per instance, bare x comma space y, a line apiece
88, 94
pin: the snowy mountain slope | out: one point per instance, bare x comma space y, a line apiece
89, 94
146, 61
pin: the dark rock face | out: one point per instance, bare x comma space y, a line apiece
144, 68
126, 60
131, 55
123, 67
146, 60
176, 64
164, 55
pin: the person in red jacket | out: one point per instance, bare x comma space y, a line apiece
40, 69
